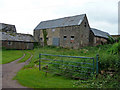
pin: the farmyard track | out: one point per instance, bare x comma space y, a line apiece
10, 70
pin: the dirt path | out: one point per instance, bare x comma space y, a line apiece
10, 70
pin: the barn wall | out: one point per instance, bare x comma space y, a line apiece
17, 45
91, 39
99, 41
51, 33
36, 35
80, 33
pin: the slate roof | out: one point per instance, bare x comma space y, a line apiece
16, 37
7, 27
100, 33
61, 22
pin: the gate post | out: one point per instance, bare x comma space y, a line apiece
39, 62
93, 65
97, 57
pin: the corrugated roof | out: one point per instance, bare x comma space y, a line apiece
16, 37
100, 33
62, 22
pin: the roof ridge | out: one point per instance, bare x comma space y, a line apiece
99, 30
61, 22
64, 17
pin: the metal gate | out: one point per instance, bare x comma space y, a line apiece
85, 65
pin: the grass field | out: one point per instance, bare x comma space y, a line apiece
11, 55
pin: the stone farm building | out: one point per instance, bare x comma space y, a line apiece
69, 32
13, 40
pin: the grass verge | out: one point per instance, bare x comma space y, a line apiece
27, 56
34, 78
11, 55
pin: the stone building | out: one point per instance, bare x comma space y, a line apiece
98, 37
7, 28
12, 40
69, 32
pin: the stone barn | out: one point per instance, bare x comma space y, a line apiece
12, 40
98, 37
68, 32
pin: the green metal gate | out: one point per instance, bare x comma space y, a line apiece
90, 64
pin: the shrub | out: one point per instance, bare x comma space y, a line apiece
101, 82
114, 49
118, 47
111, 40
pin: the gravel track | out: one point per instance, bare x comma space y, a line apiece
10, 70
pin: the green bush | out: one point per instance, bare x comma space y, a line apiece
119, 47
114, 49
109, 58
111, 40
100, 82
118, 39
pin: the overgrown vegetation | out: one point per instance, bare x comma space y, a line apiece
106, 81
68, 67
109, 68
45, 37
111, 40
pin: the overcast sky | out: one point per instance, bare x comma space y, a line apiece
27, 14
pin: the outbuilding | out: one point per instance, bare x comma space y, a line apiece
12, 40
69, 32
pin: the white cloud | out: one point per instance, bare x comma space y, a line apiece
104, 26
26, 14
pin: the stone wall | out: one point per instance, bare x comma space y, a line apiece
51, 33
17, 45
36, 35
99, 41
80, 33
91, 39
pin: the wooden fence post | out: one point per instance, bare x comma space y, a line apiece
93, 65
46, 70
